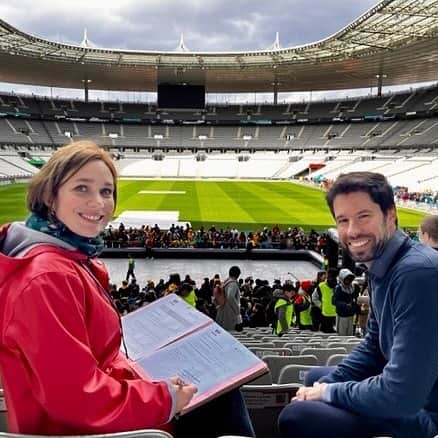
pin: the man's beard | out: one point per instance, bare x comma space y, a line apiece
373, 253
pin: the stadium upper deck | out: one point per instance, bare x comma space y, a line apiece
395, 41
399, 121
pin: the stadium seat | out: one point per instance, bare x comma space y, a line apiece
349, 346
260, 352
297, 347
276, 363
335, 359
265, 379
323, 354
294, 374
3, 412
265, 403
259, 344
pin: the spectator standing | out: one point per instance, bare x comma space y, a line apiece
228, 315
344, 299
302, 308
315, 310
364, 302
324, 295
284, 309
131, 268
205, 292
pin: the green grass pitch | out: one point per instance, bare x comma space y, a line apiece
246, 205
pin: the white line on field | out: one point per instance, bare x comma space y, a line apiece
162, 192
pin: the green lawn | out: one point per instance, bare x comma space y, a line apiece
246, 205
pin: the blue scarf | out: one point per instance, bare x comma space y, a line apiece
52, 227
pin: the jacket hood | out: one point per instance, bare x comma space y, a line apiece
16, 240
343, 275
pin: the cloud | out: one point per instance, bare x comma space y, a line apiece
223, 25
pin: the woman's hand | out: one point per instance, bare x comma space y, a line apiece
184, 392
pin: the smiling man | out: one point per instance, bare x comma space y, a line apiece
389, 384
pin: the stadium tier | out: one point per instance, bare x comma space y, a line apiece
396, 121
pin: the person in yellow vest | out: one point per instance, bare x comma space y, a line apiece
284, 309
188, 294
302, 306
328, 310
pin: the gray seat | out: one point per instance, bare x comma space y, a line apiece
294, 374
258, 344
276, 363
3, 412
281, 342
265, 403
297, 347
335, 359
323, 353
349, 346
265, 379
260, 352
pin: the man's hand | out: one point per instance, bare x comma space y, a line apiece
314, 392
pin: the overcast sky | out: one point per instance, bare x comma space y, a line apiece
207, 25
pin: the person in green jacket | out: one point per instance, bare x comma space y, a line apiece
131, 268
188, 294
302, 308
284, 309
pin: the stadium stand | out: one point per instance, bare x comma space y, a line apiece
337, 136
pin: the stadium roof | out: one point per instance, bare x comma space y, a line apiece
396, 40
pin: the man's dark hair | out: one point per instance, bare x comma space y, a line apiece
289, 286
234, 272
375, 184
332, 273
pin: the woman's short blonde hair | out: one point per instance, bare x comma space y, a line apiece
62, 165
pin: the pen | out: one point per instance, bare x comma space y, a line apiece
180, 382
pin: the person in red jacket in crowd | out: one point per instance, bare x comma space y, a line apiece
60, 360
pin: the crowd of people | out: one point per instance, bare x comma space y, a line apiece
424, 200
178, 236
428, 198
333, 301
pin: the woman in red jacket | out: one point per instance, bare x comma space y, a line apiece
60, 358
